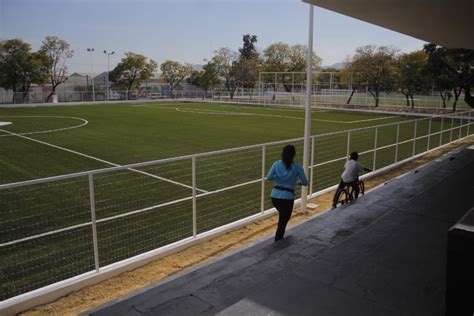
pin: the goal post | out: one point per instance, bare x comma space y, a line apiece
295, 82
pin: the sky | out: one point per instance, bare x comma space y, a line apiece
187, 31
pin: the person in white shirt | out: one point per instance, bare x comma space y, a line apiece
350, 176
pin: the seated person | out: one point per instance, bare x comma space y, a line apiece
350, 176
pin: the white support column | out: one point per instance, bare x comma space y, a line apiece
193, 172
262, 199
93, 221
375, 148
396, 142
307, 121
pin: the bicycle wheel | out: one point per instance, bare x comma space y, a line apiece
361, 187
343, 197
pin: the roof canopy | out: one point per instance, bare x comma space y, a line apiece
449, 23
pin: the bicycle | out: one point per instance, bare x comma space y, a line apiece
347, 194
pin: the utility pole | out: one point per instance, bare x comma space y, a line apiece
108, 70
91, 50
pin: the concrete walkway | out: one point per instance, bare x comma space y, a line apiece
383, 255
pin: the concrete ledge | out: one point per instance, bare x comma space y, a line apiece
460, 267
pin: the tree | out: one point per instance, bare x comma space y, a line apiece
194, 78
248, 65
412, 74
347, 76
56, 52
132, 71
455, 65
226, 61
280, 57
444, 84
373, 67
19, 67
248, 51
174, 73
209, 77
247, 73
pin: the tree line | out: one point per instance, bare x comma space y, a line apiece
382, 69
377, 69
20, 67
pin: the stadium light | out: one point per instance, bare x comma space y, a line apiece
91, 50
108, 67
307, 118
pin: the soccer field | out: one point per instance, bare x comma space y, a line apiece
124, 134
45, 228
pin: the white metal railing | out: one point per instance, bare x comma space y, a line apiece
123, 211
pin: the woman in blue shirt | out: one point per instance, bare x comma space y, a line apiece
286, 173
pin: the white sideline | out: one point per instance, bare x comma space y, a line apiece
214, 112
103, 161
299, 109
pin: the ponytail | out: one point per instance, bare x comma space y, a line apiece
287, 155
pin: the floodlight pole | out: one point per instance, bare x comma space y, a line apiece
90, 50
307, 118
108, 70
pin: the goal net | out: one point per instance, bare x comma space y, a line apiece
290, 87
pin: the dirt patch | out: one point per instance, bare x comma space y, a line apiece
128, 282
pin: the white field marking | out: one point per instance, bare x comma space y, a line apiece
269, 108
141, 106
103, 161
84, 122
214, 112
5, 123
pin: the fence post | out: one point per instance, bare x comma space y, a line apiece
441, 132
193, 172
414, 138
429, 135
396, 142
451, 130
94, 225
375, 148
469, 123
262, 200
460, 127
348, 143
312, 167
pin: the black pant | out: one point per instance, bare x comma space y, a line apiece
284, 207
354, 184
